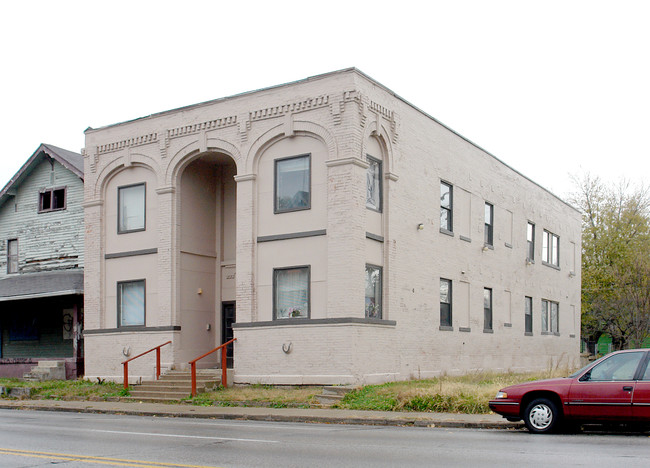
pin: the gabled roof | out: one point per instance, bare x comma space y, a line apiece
74, 162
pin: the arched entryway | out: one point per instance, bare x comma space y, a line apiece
207, 241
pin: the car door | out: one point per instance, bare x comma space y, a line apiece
604, 393
641, 396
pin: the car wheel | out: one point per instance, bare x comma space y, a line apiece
541, 416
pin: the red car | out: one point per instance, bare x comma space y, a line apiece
613, 389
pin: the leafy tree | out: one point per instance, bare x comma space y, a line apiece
615, 260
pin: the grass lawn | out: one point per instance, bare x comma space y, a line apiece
463, 394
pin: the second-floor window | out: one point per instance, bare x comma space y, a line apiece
551, 249
51, 200
446, 207
292, 184
12, 256
373, 184
131, 208
489, 224
530, 242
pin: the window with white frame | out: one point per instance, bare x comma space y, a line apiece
530, 242
550, 316
487, 309
445, 303
489, 224
292, 184
291, 292
373, 184
131, 303
551, 248
528, 314
373, 291
131, 208
52, 199
12, 256
446, 206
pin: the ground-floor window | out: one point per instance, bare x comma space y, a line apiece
291, 292
131, 303
373, 291
550, 316
487, 309
528, 314
445, 302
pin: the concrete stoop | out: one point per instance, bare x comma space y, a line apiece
175, 385
332, 394
46, 370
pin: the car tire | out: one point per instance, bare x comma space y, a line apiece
542, 416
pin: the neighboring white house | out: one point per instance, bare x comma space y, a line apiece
41, 263
358, 239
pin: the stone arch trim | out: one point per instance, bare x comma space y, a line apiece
374, 129
118, 165
193, 150
299, 128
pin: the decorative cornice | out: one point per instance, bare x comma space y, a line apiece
298, 106
390, 115
214, 124
128, 143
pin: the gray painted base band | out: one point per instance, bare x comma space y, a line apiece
465, 329
292, 235
305, 321
99, 331
508, 325
131, 253
466, 239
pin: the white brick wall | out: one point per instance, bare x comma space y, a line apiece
345, 114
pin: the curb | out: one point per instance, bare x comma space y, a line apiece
432, 422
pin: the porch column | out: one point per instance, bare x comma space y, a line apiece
246, 247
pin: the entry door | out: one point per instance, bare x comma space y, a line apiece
227, 319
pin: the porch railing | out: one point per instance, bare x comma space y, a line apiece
126, 363
224, 365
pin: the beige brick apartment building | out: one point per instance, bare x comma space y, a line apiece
338, 232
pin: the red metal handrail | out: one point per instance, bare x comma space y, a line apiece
224, 373
126, 363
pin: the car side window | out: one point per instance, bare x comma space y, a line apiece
618, 367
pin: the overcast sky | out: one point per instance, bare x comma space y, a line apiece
551, 88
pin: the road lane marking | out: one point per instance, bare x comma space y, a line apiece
96, 460
183, 436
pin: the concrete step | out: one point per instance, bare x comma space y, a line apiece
172, 395
332, 394
341, 390
151, 399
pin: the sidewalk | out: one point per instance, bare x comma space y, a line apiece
313, 415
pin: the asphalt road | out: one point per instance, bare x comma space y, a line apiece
43, 438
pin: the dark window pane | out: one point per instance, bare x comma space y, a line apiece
292, 179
